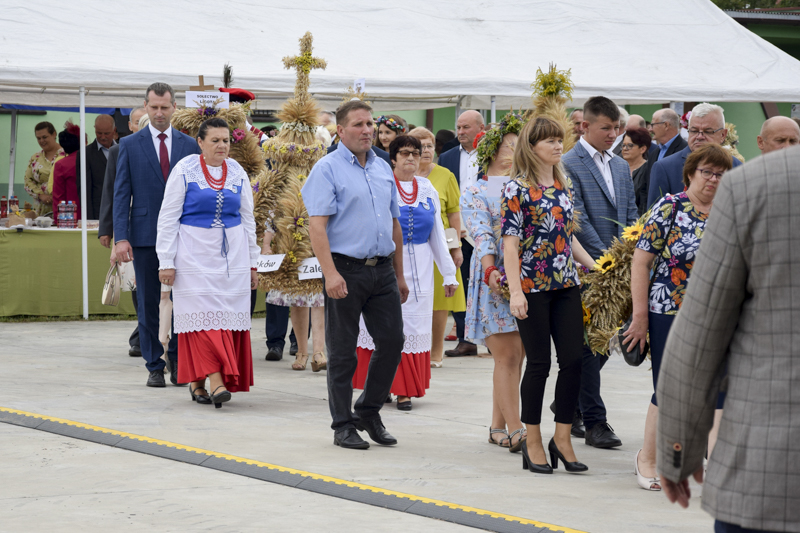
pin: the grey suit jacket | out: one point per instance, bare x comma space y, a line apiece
741, 309
107, 202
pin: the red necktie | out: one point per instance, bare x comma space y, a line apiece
163, 156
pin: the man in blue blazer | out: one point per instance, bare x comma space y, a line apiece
706, 125
145, 160
461, 161
603, 195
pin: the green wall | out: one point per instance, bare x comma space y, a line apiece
27, 146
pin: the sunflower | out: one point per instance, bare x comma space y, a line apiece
587, 315
632, 233
605, 263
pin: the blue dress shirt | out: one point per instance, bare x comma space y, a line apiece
359, 201
664, 147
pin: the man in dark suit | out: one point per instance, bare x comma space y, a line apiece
666, 131
145, 160
105, 231
706, 125
603, 194
97, 156
461, 161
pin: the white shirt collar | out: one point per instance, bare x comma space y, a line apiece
589, 148
462, 151
155, 133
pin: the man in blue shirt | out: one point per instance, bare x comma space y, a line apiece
351, 199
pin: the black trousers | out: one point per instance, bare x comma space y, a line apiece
276, 323
134, 338
460, 316
148, 289
371, 291
557, 313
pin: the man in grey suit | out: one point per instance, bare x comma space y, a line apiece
105, 231
740, 311
603, 195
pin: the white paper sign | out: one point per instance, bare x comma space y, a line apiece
309, 269
360, 85
207, 99
269, 263
495, 186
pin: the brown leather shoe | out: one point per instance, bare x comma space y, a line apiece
463, 348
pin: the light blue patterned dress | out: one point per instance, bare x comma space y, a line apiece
487, 313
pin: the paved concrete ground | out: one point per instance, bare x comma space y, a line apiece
81, 372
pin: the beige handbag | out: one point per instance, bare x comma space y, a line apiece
451, 236
112, 286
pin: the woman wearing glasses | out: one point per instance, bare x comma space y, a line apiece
423, 243
671, 236
446, 186
634, 150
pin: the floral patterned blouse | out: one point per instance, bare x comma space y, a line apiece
37, 175
677, 258
542, 218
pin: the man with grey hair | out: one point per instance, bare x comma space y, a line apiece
635, 122
778, 133
97, 159
576, 117
146, 159
616, 148
706, 125
666, 131
327, 117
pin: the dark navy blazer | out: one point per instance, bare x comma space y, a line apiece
139, 186
451, 160
666, 175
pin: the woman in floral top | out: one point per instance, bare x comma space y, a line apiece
37, 174
673, 231
538, 222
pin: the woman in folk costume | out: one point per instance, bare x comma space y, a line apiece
423, 243
207, 252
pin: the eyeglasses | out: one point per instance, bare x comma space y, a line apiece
708, 174
657, 123
627, 146
428, 148
706, 133
408, 153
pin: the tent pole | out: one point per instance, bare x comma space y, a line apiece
12, 154
82, 177
458, 112
494, 110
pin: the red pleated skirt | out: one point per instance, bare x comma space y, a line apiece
201, 353
413, 374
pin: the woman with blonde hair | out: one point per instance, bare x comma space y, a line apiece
538, 221
446, 186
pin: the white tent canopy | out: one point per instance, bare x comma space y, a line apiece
415, 54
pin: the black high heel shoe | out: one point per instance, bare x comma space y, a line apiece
199, 398
218, 399
555, 455
530, 465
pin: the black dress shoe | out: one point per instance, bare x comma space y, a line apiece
135, 351
602, 436
349, 438
293, 349
462, 349
377, 432
527, 464
156, 379
555, 455
404, 406
274, 354
578, 430
173, 374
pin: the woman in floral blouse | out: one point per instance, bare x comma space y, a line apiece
538, 222
673, 231
37, 174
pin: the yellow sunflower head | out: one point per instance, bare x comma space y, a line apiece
632, 233
605, 263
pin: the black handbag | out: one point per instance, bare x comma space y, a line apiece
636, 356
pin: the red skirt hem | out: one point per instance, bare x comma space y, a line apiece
413, 375
201, 353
